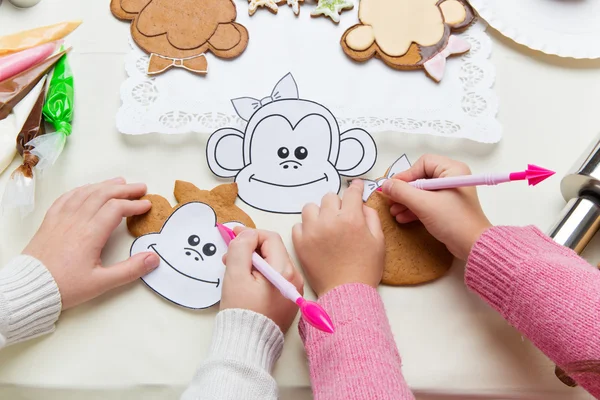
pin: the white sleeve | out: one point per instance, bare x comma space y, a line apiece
245, 346
29, 300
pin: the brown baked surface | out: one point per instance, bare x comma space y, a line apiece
184, 28
221, 199
412, 255
416, 55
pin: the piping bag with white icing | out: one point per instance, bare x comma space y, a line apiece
41, 150
11, 125
20, 188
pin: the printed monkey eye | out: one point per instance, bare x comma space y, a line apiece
301, 153
283, 152
194, 240
209, 249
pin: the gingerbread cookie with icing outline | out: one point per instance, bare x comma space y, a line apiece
388, 30
178, 33
412, 255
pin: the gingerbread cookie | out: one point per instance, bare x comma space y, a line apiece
409, 34
178, 33
412, 255
187, 241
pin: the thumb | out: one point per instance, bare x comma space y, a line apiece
239, 254
403, 193
129, 270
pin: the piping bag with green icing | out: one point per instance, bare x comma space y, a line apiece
41, 150
58, 111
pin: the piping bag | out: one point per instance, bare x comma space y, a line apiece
16, 63
44, 149
13, 90
11, 125
58, 111
20, 41
20, 188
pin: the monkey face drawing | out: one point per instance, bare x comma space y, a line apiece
188, 243
290, 154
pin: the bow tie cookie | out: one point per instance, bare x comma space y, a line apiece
412, 255
178, 33
409, 34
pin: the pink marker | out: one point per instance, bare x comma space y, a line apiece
312, 312
533, 174
18, 62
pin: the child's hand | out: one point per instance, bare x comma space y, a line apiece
75, 230
453, 216
245, 287
340, 242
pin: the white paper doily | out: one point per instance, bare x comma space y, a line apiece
566, 28
368, 95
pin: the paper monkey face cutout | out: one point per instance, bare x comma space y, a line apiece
190, 248
291, 152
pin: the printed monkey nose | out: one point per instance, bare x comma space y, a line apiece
290, 164
190, 254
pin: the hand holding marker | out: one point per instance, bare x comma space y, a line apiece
312, 312
533, 174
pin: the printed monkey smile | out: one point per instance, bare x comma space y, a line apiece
324, 178
153, 248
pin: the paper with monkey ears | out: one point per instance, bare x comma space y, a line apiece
187, 241
191, 250
291, 152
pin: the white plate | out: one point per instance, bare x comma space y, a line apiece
566, 28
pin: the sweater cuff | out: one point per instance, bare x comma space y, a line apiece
370, 309
246, 337
496, 257
30, 302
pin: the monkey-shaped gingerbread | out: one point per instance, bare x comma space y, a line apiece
409, 34
186, 239
412, 255
178, 33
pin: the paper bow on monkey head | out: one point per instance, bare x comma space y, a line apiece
286, 88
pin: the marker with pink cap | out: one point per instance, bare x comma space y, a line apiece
533, 174
312, 312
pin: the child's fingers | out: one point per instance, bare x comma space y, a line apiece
397, 208
273, 250
113, 212
353, 196
310, 213
331, 201
373, 222
406, 217
401, 192
297, 234
127, 271
433, 166
104, 194
81, 194
239, 254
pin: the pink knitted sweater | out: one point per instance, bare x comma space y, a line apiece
544, 290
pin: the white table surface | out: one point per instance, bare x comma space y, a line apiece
132, 344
